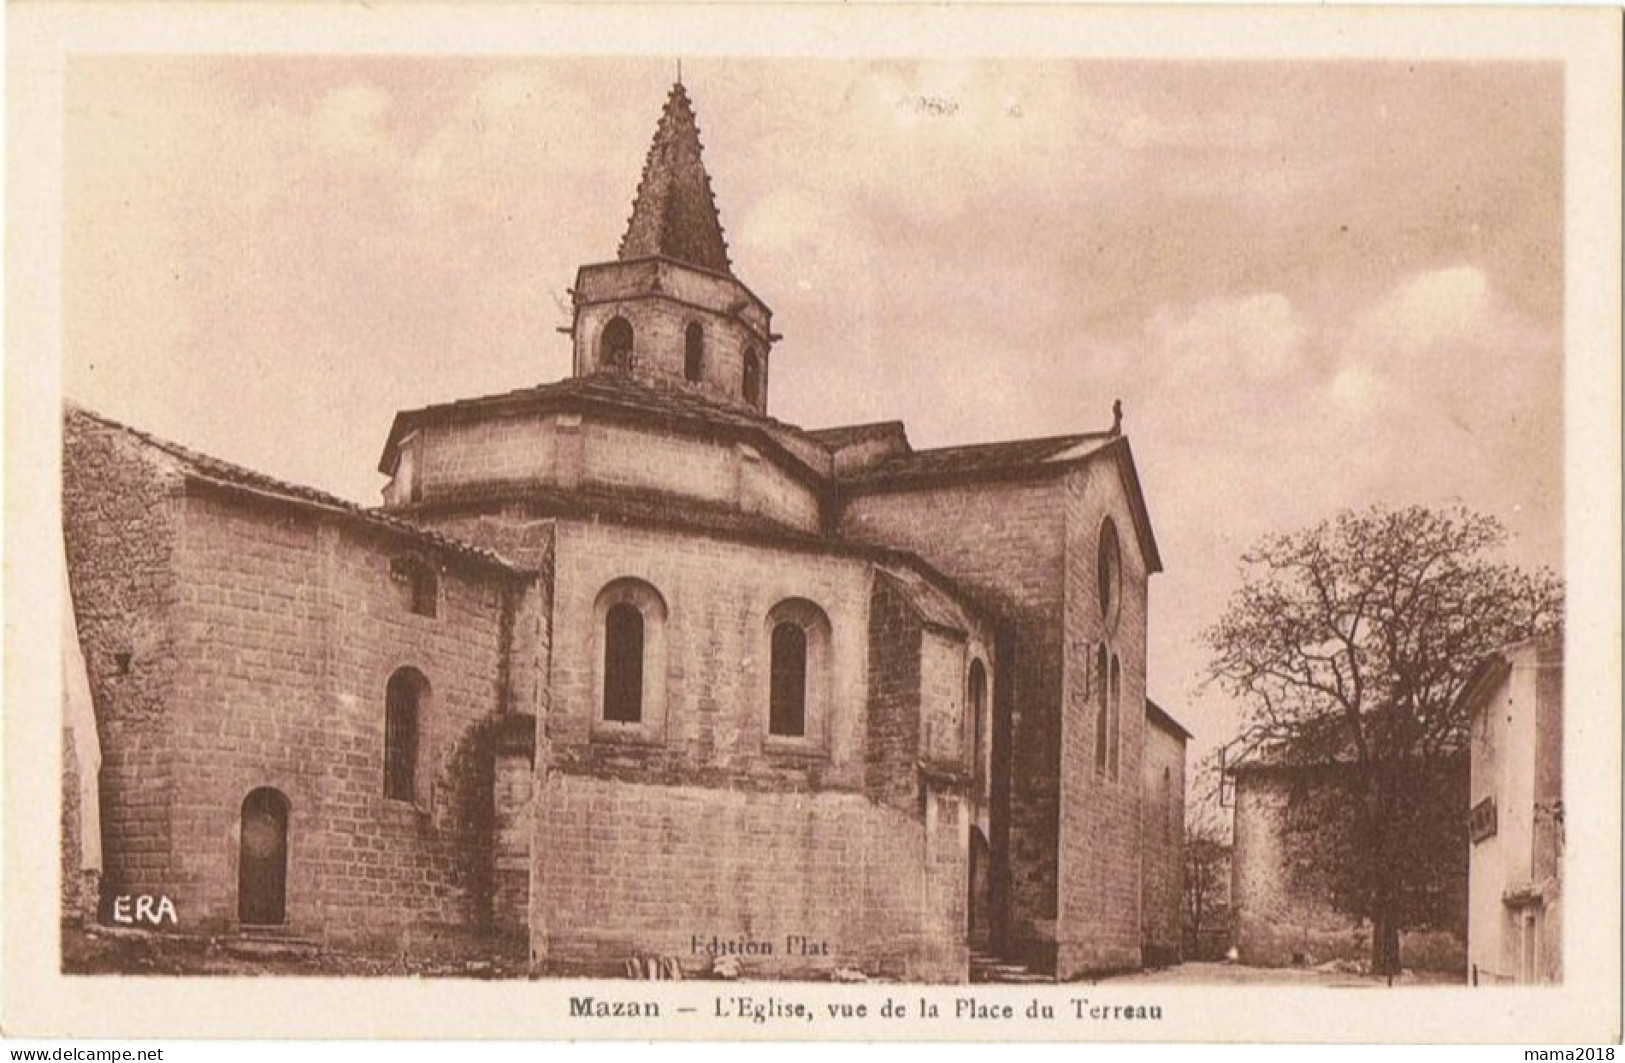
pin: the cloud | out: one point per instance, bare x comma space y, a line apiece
348, 124
1424, 312
1259, 336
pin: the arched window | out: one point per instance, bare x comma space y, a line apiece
787, 708
978, 710
417, 577
615, 345
1115, 740
1109, 574
1169, 819
403, 710
798, 641
629, 654
1102, 708
693, 352
623, 664
753, 378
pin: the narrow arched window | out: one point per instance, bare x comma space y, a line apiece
1168, 804
1115, 740
693, 352
417, 577
403, 705
978, 709
623, 663
615, 345
787, 710
1102, 669
753, 378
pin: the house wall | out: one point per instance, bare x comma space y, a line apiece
1285, 894
1162, 845
1515, 874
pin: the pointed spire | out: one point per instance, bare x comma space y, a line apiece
674, 214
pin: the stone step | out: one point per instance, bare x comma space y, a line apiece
263, 943
995, 970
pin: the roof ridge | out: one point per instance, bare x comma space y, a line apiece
1056, 440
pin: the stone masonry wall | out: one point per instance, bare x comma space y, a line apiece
1284, 890
118, 511
894, 698
659, 329
634, 869
717, 595
290, 630
1003, 543
569, 451
1100, 812
1162, 857
494, 451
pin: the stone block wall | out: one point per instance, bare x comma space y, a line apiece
461, 458
1099, 926
894, 698
290, 630
119, 502
660, 300
711, 724
799, 883
1004, 543
1162, 856
1287, 898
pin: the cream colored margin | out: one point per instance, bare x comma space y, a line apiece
38, 1001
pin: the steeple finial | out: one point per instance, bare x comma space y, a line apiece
675, 215
1117, 417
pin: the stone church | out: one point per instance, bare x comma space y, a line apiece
623, 668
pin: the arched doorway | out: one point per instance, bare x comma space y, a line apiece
262, 859
979, 927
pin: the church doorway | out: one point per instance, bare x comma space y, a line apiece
979, 929
262, 863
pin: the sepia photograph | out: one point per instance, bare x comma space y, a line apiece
1074, 526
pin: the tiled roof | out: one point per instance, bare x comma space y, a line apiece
210, 469
938, 596
933, 605
623, 392
675, 213
981, 458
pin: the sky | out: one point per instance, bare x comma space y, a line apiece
1312, 285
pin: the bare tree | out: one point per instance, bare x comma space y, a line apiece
1349, 644
1207, 864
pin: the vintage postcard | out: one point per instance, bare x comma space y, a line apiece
985, 523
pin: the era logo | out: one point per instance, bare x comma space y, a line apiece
147, 909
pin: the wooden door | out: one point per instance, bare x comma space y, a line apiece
262, 864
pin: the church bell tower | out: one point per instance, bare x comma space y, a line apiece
669, 311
